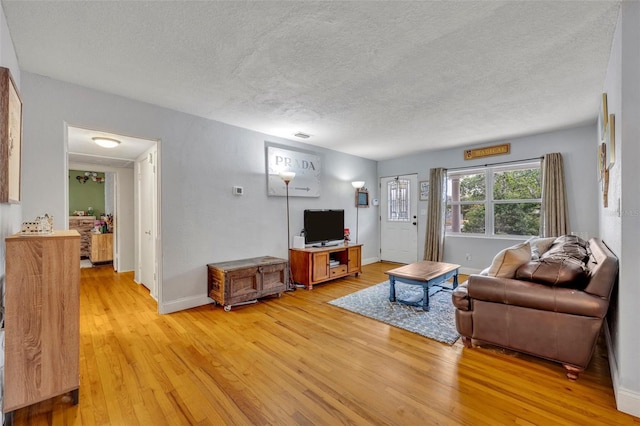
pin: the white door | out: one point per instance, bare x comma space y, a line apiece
147, 220
399, 218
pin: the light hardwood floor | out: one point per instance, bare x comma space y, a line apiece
297, 360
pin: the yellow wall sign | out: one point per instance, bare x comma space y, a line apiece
470, 154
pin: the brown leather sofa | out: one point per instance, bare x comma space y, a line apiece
541, 315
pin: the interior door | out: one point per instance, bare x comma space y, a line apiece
399, 218
147, 225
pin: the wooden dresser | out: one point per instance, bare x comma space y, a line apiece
84, 225
42, 318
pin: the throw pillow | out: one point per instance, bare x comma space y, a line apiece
506, 262
568, 246
554, 272
539, 245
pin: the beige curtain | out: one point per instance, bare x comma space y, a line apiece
555, 216
434, 238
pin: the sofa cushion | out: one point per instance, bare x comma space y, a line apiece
555, 272
506, 262
539, 245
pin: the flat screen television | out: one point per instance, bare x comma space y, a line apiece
323, 227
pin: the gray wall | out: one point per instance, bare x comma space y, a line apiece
620, 221
576, 146
201, 160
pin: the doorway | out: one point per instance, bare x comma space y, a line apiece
399, 218
119, 162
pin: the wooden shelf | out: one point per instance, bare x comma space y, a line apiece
310, 266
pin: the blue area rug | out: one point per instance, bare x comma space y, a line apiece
438, 323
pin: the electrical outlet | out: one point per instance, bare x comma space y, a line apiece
467, 256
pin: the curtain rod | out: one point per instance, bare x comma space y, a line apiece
495, 164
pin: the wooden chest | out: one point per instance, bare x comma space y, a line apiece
244, 281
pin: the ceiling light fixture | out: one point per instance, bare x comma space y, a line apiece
302, 135
106, 142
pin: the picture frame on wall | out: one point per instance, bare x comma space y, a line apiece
424, 190
602, 158
10, 138
610, 139
362, 198
603, 117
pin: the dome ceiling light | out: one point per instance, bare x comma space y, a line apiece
106, 142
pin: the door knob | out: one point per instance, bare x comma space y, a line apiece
149, 232
414, 223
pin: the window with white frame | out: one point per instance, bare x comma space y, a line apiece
499, 200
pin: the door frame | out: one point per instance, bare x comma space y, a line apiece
118, 204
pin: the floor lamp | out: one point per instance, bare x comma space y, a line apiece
288, 177
358, 184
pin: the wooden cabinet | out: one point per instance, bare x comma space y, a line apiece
244, 281
84, 225
42, 318
315, 265
101, 248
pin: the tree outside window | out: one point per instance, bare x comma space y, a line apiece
492, 201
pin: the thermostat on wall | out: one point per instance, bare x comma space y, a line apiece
375, 202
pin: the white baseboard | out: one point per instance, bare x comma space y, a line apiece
370, 260
626, 401
184, 303
469, 271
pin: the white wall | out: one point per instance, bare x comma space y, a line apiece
620, 222
576, 146
202, 221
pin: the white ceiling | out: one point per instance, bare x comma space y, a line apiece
373, 79
82, 148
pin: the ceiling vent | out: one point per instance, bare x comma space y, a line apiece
302, 135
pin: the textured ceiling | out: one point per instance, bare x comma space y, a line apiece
373, 79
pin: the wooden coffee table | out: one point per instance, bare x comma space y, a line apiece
425, 274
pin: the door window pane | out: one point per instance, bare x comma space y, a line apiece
398, 202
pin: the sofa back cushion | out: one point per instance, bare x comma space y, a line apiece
555, 272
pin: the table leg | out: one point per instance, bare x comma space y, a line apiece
455, 280
425, 298
392, 289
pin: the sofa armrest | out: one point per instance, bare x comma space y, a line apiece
460, 298
536, 296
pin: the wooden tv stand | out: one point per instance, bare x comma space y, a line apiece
312, 265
